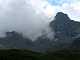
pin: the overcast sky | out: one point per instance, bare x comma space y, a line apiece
32, 16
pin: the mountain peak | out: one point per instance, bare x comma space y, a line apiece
63, 26
61, 16
60, 13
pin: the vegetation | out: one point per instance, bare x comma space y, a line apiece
23, 54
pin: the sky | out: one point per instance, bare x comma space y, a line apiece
31, 17
70, 7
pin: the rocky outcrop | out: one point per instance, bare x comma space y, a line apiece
64, 27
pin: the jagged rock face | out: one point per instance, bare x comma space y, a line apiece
64, 27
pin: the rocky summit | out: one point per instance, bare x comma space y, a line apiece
64, 28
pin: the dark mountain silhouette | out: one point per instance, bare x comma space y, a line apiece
66, 34
64, 28
15, 40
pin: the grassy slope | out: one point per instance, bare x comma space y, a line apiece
22, 54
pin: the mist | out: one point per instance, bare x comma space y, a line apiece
20, 16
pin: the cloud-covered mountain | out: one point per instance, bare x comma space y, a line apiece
66, 34
64, 28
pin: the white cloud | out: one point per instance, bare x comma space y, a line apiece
70, 7
73, 10
31, 16
21, 16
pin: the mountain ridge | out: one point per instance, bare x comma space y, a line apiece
66, 31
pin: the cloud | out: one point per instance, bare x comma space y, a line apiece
73, 10
32, 16
70, 7
21, 16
